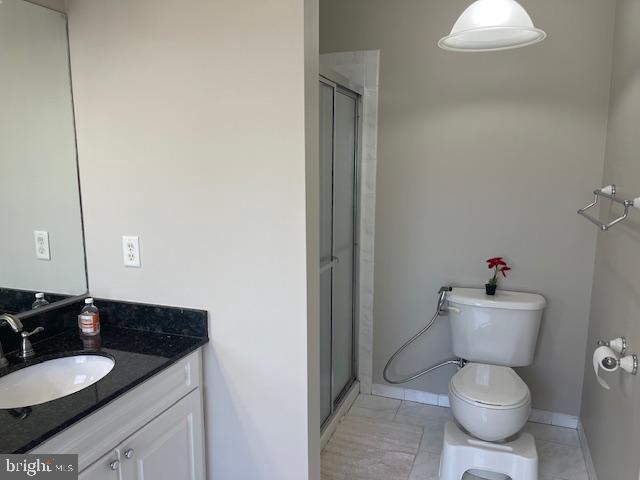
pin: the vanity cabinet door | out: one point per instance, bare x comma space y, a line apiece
106, 468
170, 447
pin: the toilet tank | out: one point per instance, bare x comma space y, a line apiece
499, 330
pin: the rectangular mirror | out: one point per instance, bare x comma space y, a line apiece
42, 241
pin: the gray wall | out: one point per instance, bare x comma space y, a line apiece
195, 124
612, 418
59, 5
483, 155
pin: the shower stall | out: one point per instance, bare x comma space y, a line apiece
339, 158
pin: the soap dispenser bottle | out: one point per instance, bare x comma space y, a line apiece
89, 318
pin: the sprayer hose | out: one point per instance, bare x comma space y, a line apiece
457, 362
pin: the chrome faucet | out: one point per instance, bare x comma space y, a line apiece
13, 321
16, 325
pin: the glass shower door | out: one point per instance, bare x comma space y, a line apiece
326, 245
343, 242
338, 212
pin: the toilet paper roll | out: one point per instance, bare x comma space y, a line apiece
598, 356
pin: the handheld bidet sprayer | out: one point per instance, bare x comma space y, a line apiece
441, 310
442, 298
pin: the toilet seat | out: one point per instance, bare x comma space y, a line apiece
491, 402
490, 386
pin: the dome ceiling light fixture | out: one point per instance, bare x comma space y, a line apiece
492, 25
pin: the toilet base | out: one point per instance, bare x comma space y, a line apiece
517, 459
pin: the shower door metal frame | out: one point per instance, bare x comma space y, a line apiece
339, 84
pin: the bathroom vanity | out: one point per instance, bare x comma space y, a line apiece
153, 432
143, 419
129, 401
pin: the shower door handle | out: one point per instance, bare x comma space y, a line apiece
326, 265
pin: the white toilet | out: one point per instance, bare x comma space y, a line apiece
490, 402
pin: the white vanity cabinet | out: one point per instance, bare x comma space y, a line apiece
104, 469
167, 447
153, 432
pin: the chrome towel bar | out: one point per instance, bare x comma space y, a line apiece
609, 192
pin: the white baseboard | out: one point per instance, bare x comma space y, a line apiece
586, 452
342, 410
442, 400
410, 395
554, 418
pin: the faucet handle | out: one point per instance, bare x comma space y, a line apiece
33, 332
27, 348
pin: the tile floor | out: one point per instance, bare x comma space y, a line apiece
387, 439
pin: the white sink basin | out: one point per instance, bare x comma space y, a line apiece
52, 379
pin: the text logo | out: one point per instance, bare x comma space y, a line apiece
36, 466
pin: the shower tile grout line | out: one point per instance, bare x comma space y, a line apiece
395, 414
415, 456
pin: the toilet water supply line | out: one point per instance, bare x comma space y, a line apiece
440, 310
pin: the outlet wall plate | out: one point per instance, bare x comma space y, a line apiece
131, 251
41, 239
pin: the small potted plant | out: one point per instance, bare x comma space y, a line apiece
499, 266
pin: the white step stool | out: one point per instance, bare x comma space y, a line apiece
460, 452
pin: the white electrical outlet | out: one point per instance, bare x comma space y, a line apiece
41, 239
131, 251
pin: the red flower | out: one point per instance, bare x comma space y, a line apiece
504, 271
496, 262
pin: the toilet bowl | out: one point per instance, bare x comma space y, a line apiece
491, 402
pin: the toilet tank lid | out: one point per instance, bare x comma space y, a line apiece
502, 299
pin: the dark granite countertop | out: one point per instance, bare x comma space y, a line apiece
16, 301
138, 355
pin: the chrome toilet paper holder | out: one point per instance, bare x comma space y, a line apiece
628, 363
618, 345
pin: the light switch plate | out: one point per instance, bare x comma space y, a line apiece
131, 251
41, 239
